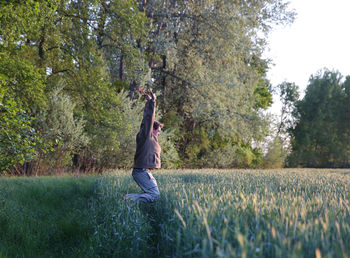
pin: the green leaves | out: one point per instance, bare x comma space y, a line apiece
18, 139
43, 43
321, 135
202, 57
21, 82
21, 96
207, 63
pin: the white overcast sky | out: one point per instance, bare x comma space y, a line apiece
318, 38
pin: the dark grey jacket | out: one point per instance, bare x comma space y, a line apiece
147, 153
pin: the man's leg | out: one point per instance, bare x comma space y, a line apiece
148, 184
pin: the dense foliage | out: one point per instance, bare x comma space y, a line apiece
211, 75
69, 70
321, 135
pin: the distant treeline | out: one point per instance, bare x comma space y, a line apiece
313, 131
69, 70
321, 132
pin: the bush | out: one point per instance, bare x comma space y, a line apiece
62, 129
132, 111
170, 157
275, 156
18, 138
233, 155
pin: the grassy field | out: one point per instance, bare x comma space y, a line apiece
201, 213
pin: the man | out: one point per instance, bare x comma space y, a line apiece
147, 155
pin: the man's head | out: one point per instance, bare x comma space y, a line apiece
157, 128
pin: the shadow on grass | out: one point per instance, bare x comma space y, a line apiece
46, 216
160, 216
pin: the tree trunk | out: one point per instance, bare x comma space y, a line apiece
132, 89
121, 67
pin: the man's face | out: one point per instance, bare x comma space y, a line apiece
157, 131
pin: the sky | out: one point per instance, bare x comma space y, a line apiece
318, 38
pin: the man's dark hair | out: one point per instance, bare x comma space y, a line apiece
156, 124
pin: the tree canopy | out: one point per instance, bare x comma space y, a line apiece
78, 63
321, 135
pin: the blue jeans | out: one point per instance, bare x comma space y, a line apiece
147, 183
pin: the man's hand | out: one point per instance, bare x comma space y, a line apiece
152, 95
148, 97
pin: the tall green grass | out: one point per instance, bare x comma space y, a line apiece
262, 213
201, 213
45, 216
226, 213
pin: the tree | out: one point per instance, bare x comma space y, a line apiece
45, 42
204, 59
18, 139
279, 140
60, 127
101, 39
22, 84
289, 95
320, 137
206, 62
